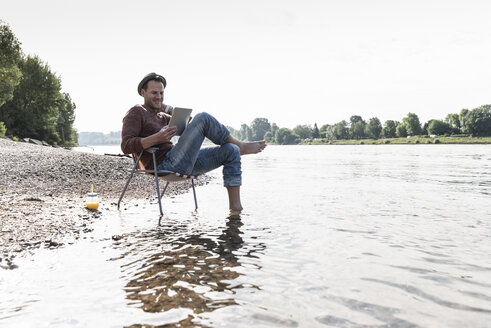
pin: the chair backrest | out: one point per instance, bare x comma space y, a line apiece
140, 164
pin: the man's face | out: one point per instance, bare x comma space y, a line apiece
154, 95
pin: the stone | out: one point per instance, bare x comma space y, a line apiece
35, 141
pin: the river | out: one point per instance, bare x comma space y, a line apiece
331, 236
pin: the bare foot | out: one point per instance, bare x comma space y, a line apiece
252, 147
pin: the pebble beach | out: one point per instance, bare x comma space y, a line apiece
43, 191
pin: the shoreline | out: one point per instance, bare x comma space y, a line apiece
404, 141
43, 191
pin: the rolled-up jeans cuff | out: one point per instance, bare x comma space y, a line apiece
225, 137
232, 181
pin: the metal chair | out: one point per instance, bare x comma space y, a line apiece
165, 175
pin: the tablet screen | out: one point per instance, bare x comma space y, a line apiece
180, 119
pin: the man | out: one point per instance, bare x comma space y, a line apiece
146, 125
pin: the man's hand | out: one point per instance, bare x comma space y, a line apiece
166, 133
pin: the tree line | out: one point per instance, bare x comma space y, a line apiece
475, 122
31, 102
99, 138
468, 122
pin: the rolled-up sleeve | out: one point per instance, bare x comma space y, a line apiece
130, 134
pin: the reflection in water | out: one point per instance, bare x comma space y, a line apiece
172, 267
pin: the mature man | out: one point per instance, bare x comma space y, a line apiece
146, 125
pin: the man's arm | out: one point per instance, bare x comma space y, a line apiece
132, 142
132, 125
164, 135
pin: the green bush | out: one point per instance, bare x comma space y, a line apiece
417, 141
459, 135
387, 142
15, 139
362, 143
437, 141
3, 129
429, 141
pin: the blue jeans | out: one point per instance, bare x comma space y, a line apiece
187, 157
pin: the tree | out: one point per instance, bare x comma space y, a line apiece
10, 55
389, 130
31, 104
425, 127
463, 120
412, 124
269, 136
259, 127
33, 110
401, 131
341, 130
453, 121
438, 127
245, 132
357, 130
478, 121
330, 132
274, 129
355, 118
315, 132
357, 127
303, 131
234, 132
323, 130
374, 128
66, 118
285, 137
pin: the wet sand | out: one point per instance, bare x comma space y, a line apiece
43, 190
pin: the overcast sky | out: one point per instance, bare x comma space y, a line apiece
291, 61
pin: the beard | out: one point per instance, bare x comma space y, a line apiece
154, 106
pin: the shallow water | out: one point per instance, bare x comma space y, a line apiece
339, 236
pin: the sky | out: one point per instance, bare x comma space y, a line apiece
290, 61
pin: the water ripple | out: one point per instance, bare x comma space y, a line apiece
418, 292
384, 314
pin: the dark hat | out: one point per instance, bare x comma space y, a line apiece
151, 76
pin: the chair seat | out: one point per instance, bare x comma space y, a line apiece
165, 175
175, 177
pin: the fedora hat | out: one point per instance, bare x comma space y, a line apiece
151, 76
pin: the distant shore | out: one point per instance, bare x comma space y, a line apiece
402, 141
43, 191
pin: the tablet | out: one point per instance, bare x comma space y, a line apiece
180, 119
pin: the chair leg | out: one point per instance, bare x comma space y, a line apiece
157, 182
127, 182
194, 194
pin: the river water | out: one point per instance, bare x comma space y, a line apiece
331, 236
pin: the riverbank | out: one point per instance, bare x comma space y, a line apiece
402, 141
43, 190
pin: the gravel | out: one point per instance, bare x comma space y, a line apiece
43, 190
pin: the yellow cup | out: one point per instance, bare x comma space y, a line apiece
92, 201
